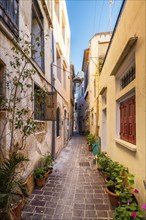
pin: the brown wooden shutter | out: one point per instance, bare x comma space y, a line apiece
121, 120
131, 121
50, 106
127, 120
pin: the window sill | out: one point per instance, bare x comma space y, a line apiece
40, 132
129, 146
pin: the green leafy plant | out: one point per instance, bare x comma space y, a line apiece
91, 139
48, 160
39, 173
11, 186
15, 101
129, 207
104, 161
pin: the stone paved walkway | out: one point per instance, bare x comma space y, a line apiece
74, 191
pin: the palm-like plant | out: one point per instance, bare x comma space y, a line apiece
11, 185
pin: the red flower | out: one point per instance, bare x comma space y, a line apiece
136, 191
134, 214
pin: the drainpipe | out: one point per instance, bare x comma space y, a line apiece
52, 89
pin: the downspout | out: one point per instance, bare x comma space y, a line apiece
52, 89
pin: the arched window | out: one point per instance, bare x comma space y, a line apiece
58, 122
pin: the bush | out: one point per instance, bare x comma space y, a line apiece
91, 138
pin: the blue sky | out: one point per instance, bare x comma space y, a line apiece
87, 17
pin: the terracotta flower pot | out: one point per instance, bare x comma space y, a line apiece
90, 147
16, 211
113, 197
40, 182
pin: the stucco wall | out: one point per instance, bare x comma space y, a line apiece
132, 24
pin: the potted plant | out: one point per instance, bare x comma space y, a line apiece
118, 184
12, 190
103, 161
39, 175
47, 165
90, 141
128, 208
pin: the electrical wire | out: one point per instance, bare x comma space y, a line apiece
100, 15
95, 10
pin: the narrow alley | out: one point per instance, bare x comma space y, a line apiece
74, 191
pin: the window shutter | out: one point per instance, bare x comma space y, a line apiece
50, 106
121, 120
125, 133
127, 120
131, 120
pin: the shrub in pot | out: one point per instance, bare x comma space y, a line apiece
118, 185
48, 165
49, 162
91, 140
103, 160
39, 175
12, 190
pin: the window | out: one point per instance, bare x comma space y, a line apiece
9, 14
58, 60
128, 77
127, 120
2, 79
37, 35
63, 26
58, 122
57, 8
39, 103
75, 105
2, 82
64, 77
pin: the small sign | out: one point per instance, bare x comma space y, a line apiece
51, 106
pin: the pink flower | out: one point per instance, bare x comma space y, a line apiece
136, 191
134, 214
143, 206
128, 203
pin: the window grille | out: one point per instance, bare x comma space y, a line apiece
58, 123
39, 103
2, 85
128, 77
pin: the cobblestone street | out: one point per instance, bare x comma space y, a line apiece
74, 191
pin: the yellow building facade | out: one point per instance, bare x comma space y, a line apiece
122, 94
97, 50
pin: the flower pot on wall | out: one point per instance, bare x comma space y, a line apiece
29, 183
113, 197
40, 182
17, 210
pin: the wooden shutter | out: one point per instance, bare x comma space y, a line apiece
124, 120
50, 106
131, 121
127, 120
